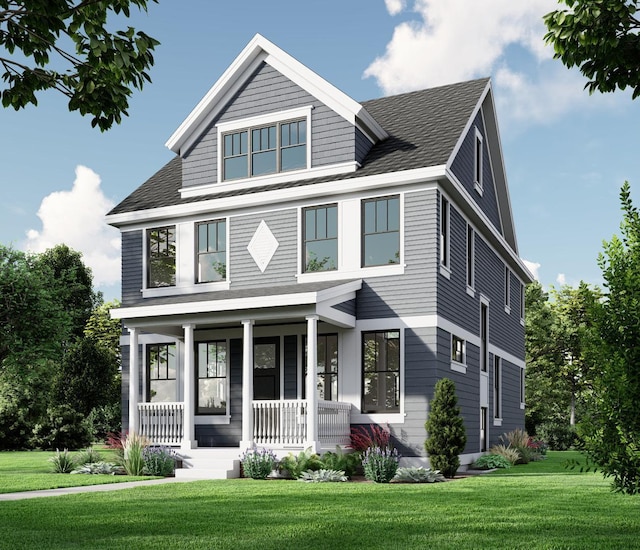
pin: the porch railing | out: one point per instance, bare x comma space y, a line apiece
285, 422
162, 423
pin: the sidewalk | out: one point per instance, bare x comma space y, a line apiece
88, 489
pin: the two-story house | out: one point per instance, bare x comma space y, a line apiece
307, 263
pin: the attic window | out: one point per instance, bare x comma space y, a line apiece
477, 167
262, 150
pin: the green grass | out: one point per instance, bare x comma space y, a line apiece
31, 471
540, 505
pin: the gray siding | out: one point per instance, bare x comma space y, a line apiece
347, 307
512, 414
227, 435
131, 266
384, 296
243, 271
463, 168
268, 91
363, 146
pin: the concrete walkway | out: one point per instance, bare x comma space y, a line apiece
89, 488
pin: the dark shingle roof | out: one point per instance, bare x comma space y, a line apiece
423, 128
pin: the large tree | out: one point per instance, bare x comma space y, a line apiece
601, 38
69, 46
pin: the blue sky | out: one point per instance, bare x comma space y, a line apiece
566, 153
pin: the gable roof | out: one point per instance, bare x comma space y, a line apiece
258, 50
424, 128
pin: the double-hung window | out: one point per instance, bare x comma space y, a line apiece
458, 351
212, 378
381, 231
381, 371
212, 251
327, 381
161, 257
161, 369
320, 237
262, 150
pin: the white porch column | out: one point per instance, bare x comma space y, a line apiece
189, 439
134, 377
247, 384
311, 384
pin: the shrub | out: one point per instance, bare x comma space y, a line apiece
445, 428
511, 454
159, 461
349, 463
258, 464
559, 436
88, 456
380, 464
488, 462
295, 465
417, 474
98, 468
104, 420
62, 427
62, 462
323, 476
365, 437
133, 454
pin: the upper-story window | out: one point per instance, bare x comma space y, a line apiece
444, 232
277, 147
320, 227
471, 276
477, 164
212, 251
381, 231
161, 257
507, 289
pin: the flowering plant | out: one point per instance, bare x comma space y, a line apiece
159, 461
258, 464
380, 464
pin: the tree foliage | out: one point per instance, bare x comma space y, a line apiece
446, 435
601, 38
612, 431
67, 45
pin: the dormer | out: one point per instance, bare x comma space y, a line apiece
270, 120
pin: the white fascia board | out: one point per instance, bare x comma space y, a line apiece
278, 196
260, 49
340, 293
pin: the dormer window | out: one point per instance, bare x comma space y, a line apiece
270, 149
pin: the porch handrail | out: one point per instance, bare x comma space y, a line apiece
162, 423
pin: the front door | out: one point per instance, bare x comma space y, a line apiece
266, 368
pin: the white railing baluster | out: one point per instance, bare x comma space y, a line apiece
162, 423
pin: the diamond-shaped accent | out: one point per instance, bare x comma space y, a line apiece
263, 246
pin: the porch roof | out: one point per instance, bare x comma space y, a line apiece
274, 303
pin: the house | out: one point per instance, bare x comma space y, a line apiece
306, 263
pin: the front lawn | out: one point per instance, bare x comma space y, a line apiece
31, 471
540, 505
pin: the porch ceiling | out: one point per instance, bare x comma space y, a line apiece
287, 303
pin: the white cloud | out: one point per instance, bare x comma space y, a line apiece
561, 279
76, 218
533, 267
394, 7
456, 40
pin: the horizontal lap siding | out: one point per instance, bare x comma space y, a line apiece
131, 266
268, 91
243, 271
463, 166
414, 292
363, 146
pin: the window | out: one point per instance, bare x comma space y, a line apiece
470, 257
521, 386
320, 236
381, 231
484, 336
278, 147
458, 349
507, 288
161, 368
161, 257
381, 371
327, 382
521, 302
497, 387
444, 232
478, 153
212, 251
211, 392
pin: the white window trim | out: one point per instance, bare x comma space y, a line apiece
522, 304
497, 403
522, 387
477, 181
260, 120
457, 365
146, 291
211, 285
507, 290
209, 419
471, 251
445, 247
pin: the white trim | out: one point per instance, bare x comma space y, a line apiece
184, 290
445, 239
458, 367
471, 259
477, 181
506, 356
317, 191
212, 419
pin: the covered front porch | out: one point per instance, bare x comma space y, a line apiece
274, 388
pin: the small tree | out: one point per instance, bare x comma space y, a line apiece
446, 435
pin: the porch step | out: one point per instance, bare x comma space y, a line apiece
209, 464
